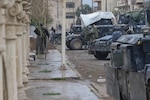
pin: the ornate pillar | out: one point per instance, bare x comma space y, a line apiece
20, 48
26, 6
27, 45
25, 78
19, 57
4, 4
11, 71
19, 8
1, 77
21, 92
2, 46
11, 61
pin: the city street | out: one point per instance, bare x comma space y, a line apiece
84, 75
91, 70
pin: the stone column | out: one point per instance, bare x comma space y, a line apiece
25, 78
27, 48
1, 50
21, 92
26, 7
11, 71
2, 86
26, 53
28, 44
19, 56
1, 76
4, 5
11, 61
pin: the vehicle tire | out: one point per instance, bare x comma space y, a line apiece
100, 55
148, 90
76, 44
68, 45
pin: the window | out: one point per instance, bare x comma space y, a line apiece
70, 15
70, 5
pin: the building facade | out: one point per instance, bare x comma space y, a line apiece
129, 5
56, 12
121, 5
106, 5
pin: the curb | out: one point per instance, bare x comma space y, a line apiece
70, 66
99, 91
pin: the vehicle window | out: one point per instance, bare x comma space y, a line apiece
104, 22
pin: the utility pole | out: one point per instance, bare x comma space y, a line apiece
63, 37
106, 5
47, 13
92, 6
81, 5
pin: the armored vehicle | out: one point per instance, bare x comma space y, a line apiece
128, 74
74, 40
101, 47
103, 22
129, 23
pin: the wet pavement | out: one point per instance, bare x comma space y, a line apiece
47, 81
50, 67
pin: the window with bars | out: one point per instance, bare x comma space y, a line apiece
70, 15
70, 5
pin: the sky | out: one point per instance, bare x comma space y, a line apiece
89, 2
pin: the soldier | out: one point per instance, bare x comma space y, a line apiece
116, 34
42, 35
93, 33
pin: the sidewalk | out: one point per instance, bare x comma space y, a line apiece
48, 82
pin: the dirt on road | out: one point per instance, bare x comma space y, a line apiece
90, 69
87, 65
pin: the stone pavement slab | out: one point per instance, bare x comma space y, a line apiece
48, 82
59, 90
50, 67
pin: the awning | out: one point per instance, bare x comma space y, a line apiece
88, 19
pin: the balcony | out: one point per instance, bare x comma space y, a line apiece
139, 1
97, 0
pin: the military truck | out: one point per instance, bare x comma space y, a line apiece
103, 22
74, 40
100, 47
102, 44
129, 23
128, 74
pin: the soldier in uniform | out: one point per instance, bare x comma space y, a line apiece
42, 36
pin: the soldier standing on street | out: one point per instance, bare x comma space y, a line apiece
93, 33
42, 35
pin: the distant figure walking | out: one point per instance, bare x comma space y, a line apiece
52, 32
